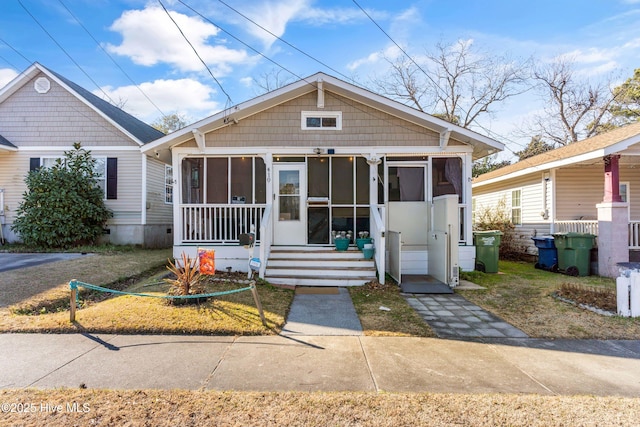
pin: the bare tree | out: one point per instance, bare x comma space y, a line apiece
170, 123
271, 80
575, 108
457, 82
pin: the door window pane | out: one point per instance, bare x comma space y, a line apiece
289, 195
406, 184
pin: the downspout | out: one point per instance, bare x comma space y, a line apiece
143, 216
552, 213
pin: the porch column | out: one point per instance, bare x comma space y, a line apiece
612, 179
613, 222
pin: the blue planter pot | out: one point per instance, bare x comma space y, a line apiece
362, 242
341, 244
368, 253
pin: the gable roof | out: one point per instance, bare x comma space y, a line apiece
6, 145
482, 145
596, 147
136, 129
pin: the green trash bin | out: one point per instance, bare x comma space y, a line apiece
574, 252
487, 245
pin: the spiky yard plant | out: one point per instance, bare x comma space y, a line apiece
187, 279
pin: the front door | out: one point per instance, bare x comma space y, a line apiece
290, 213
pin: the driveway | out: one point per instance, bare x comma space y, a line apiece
11, 261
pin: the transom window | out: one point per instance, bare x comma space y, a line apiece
321, 120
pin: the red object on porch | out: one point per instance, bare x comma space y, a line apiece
611, 179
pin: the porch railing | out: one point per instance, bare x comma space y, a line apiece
377, 214
578, 226
634, 235
219, 223
266, 237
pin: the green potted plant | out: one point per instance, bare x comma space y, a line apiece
363, 239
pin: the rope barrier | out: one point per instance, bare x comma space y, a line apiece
74, 284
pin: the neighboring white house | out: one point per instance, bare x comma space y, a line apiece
587, 186
42, 114
322, 155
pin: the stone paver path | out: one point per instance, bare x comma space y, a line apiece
452, 316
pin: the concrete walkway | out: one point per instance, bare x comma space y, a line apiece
11, 261
322, 314
314, 363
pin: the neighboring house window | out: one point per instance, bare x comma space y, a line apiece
516, 207
624, 191
168, 184
321, 120
106, 172
473, 210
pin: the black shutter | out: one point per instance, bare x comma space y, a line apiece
34, 164
112, 178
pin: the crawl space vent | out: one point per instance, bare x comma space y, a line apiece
42, 85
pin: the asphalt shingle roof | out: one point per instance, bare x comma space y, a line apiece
142, 131
594, 143
4, 141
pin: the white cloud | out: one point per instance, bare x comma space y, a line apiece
6, 75
150, 37
185, 96
374, 58
274, 16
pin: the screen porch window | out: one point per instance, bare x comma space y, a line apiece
321, 120
223, 180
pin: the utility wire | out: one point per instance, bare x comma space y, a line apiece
16, 51
285, 42
111, 58
65, 51
196, 52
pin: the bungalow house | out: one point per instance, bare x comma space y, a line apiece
318, 157
583, 187
42, 114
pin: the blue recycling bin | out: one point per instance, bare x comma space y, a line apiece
547, 253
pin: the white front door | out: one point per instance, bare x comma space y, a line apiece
290, 211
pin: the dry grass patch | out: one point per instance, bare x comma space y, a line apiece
399, 320
195, 408
523, 296
233, 314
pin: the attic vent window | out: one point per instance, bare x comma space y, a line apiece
42, 85
321, 120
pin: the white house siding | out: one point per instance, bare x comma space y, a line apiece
578, 190
532, 188
55, 118
159, 223
43, 125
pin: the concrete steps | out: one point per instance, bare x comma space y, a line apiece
318, 266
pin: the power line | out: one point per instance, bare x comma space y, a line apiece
65, 52
196, 52
286, 42
111, 58
16, 51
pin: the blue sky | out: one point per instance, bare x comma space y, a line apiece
602, 36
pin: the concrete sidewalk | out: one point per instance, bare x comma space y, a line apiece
321, 363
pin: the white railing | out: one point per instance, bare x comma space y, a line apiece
634, 234
266, 236
219, 223
577, 226
377, 214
